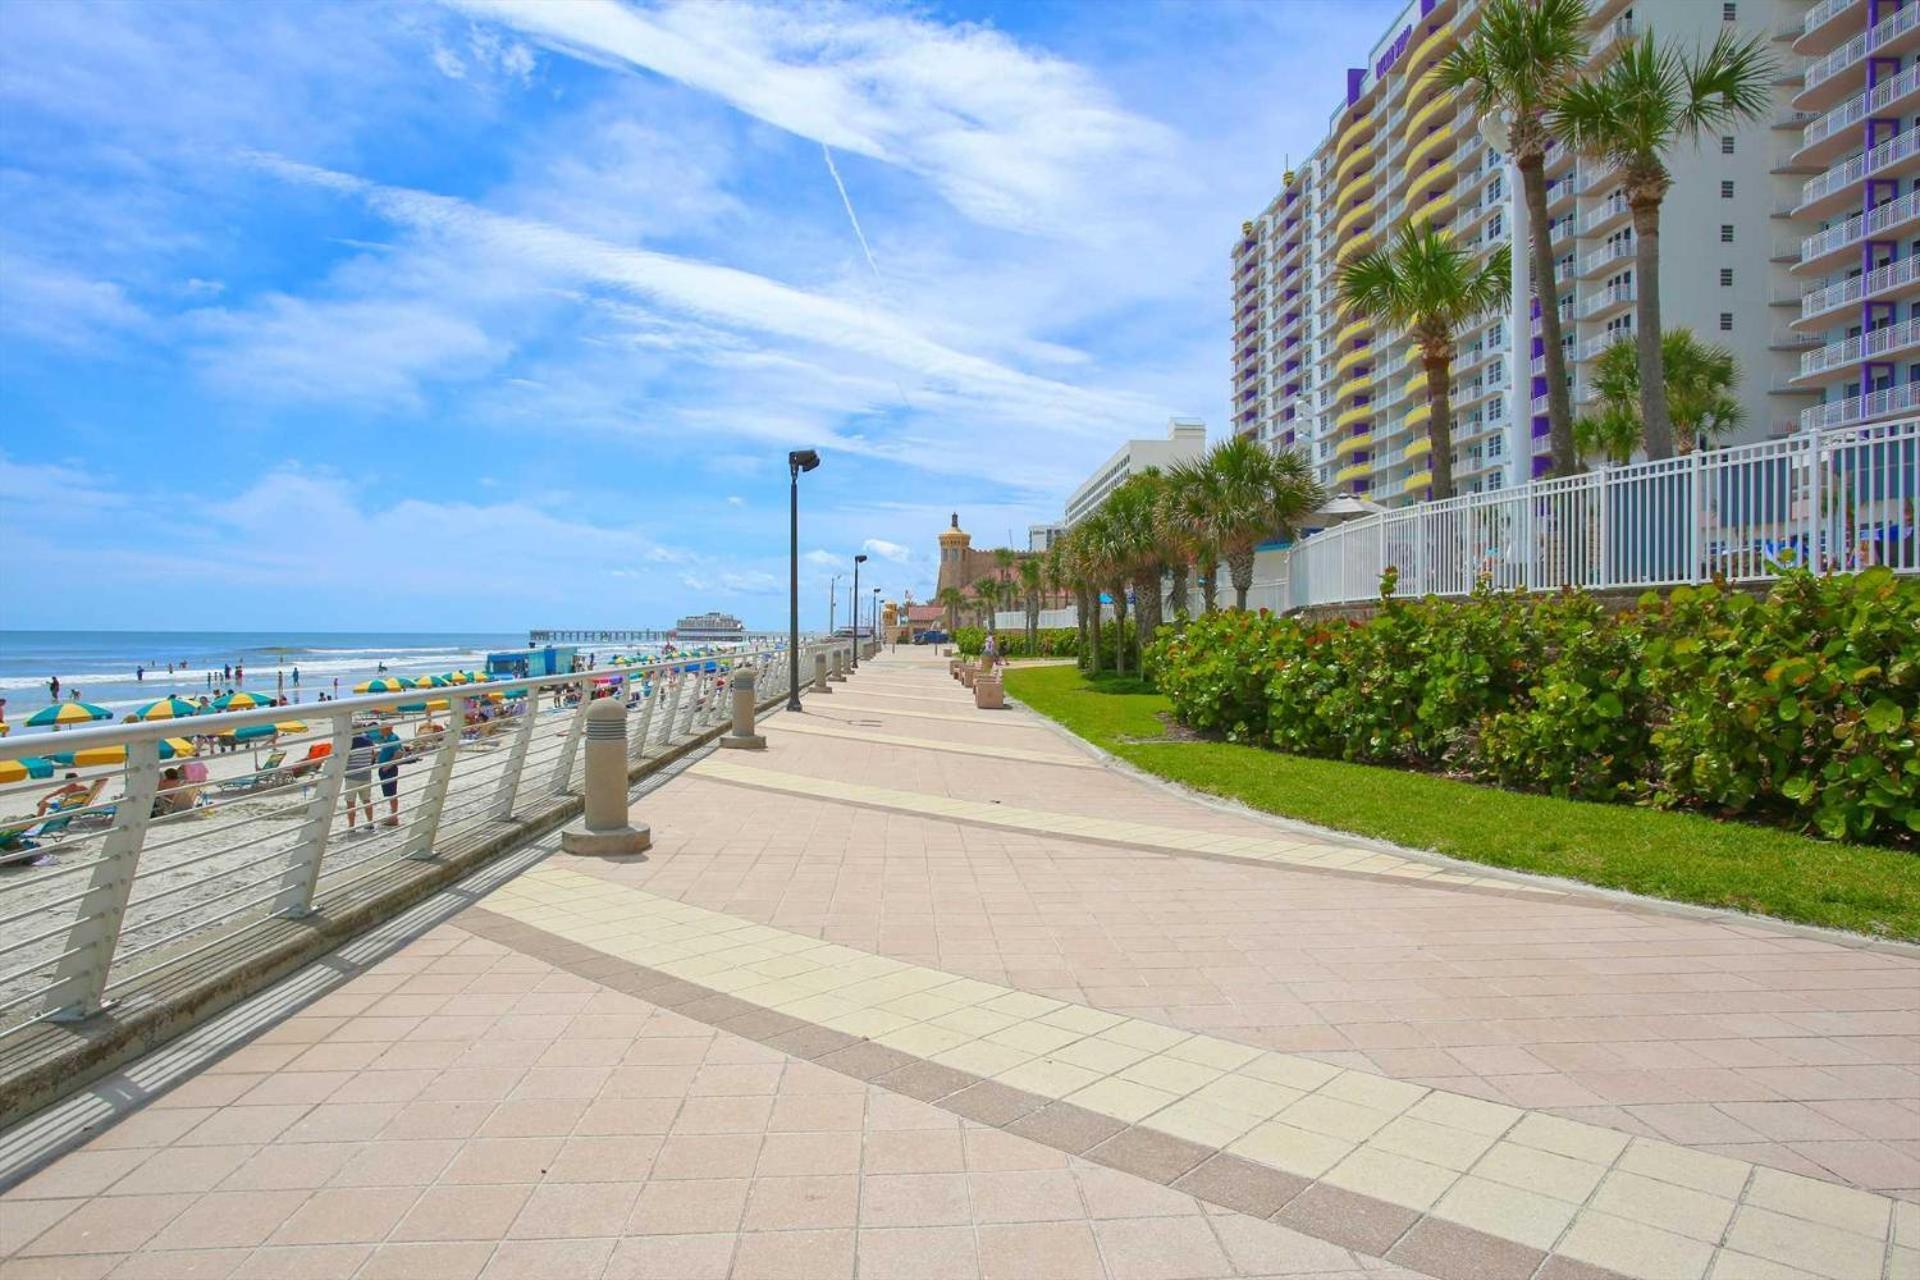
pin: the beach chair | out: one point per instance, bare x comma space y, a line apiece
21, 840
262, 777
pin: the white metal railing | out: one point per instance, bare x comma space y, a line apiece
148, 863
1595, 303
1593, 346
1850, 172
1904, 398
1860, 106
1833, 501
1612, 207
1605, 254
1862, 225
1822, 13
1834, 296
1820, 70
1619, 29
1862, 346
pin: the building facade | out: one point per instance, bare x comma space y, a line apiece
1859, 104
1185, 441
1349, 393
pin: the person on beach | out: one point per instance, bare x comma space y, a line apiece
389, 754
226, 673
239, 674
296, 677
360, 780
53, 687
70, 786
140, 675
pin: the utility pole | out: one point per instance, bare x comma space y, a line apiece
833, 600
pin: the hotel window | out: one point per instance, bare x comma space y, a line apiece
1726, 189
1726, 144
1726, 322
1729, 12
1726, 277
1726, 233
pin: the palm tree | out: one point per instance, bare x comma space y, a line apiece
1513, 68
1647, 101
1701, 383
949, 599
1031, 576
1141, 547
1426, 284
1191, 499
1258, 494
1081, 570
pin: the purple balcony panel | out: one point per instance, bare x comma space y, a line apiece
1539, 385
1541, 467
1542, 428
1356, 80
1539, 347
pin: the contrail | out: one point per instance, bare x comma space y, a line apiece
852, 217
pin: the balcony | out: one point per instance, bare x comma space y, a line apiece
1858, 409
1429, 146
1592, 347
1418, 480
1894, 276
1357, 470
1825, 249
1352, 357
1354, 246
1353, 329
1358, 385
1592, 175
1358, 157
1846, 355
1833, 133
1839, 187
1605, 258
1441, 108
1352, 444
1609, 40
1605, 216
1358, 413
1825, 25
1827, 79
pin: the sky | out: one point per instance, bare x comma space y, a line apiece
497, 314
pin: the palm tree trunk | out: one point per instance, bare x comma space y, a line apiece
1240, 567
1440, 421
1210, 585
1533, 183
1177, 593
1655, 422
1089, 610
1119, 589
1146, 606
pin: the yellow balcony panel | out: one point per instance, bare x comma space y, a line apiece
1358, 243
1418, 480
1422, 37
1421, 412
1359, 413
1361, 212
1352, 357
1360, 155
1352, 444
1436, 112
1441, 174
1356, 471
1355, 386
1418, 449
1353, 329
1436, 210
1431, 145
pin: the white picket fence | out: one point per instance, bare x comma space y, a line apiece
1833, 501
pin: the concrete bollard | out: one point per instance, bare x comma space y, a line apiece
988, 693
820, 673
742, 737
967, 673
607, 831
838, 671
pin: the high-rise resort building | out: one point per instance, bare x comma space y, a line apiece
1307, 374
1860, 312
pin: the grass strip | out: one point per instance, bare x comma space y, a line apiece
1682, 857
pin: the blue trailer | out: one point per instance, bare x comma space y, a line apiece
520, 664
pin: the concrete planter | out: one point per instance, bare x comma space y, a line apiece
989, 694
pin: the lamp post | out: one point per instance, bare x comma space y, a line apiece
876, 619
833, 600
857, 562
798, 460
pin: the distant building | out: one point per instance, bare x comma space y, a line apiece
1186, 441
1041, 537
710, 628
960, 565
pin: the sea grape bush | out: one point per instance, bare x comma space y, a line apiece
1801, 708
1055, 642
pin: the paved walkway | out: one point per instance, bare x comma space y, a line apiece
924, 991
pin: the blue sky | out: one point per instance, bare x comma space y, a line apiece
502, 313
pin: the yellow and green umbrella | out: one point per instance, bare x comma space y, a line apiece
171, 707
253, 732
241, 700
384, 684
433, 682
117, 754
69, 713
25, 767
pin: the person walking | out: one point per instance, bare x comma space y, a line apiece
360, 779
53, 687
140, 675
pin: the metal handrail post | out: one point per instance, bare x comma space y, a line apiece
637, 727
509, 792
673, 710
562, 779
302, 876
426, 821
80, 976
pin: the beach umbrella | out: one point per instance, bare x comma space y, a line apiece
254, 732
241, 700
471, 677
25, 767
117, 754
384, 684
69, 713
171, 707
432, 682
431, 704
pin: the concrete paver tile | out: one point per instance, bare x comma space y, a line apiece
682, 1256
794, 1255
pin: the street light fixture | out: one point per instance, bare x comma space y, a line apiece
857, 562
798, 460
876, 619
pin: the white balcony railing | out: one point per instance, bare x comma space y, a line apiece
1862, 225
1599, 259
149, 871
1820, 70
1612, 207
1831, 501
1612, 295
1861, 287
1850, 172
1861, 105
1889, 403
1861, 346
1825, 11
1592, 347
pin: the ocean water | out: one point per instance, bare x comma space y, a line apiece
105, 665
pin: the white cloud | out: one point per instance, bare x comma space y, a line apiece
52, 304
735, 500
824, 559
887, 550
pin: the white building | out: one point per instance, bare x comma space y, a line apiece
1351, 394
1186, 441
1041, 537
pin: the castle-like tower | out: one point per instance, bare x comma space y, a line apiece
956, 546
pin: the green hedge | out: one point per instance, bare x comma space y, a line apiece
1801, 708
1055, 642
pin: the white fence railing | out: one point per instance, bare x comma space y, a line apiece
146, 863
1833, 501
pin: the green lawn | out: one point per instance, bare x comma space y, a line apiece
1683, 857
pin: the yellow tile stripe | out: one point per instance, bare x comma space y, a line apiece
1300, 852
794, 724
1644, 1208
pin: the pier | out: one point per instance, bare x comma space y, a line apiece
618, 635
